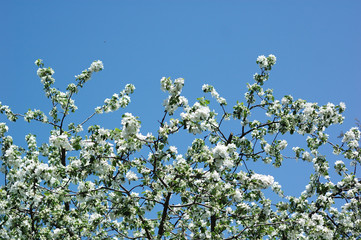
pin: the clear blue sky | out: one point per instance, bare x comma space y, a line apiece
317, 44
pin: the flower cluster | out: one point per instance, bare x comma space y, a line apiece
96, 66
130, 125
266, 62
60, 141
198, 118
3, 129
221, 155
214, 93
262, 181
352, 137
37, 115
131, 176
85, 76
9, 114
174, 89
117, 101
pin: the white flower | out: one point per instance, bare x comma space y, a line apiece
201, 113
85, 186
42, 167
228, 163
103, 132
60, 141
130, 125
10, 152
327, 110
282, 145
38, 62
78, 128
99, 110
43, 72
94, 216
134, 194
306, 156
173, 149
3, 128
86, 143
295, 149
220, 152
75, 163
129, 88
165, 83
308, 109
215, 176
339, 162
238, 195
352, 134
206, 88
96, 66
264, 181
267, 148
353, 144
342, 106
272, 59
284, 101
276, 187
262, 61
229, 210
222, 101
57, 231
178, 83
131, 176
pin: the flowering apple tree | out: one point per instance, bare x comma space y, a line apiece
122, 184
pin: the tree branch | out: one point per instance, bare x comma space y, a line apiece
164, 216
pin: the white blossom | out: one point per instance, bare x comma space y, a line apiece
96, 66
262, 61
131, 176
272, 59
220, 152
352, 134
238, 195
264, 181
342, 106
282, 145
60, 141
267, 148
130, 125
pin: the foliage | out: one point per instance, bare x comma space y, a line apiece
120, 184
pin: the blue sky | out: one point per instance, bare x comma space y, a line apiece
317, 45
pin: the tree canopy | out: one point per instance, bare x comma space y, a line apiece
121, 183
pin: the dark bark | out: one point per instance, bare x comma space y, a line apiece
63, 162
213, 222
164, 216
